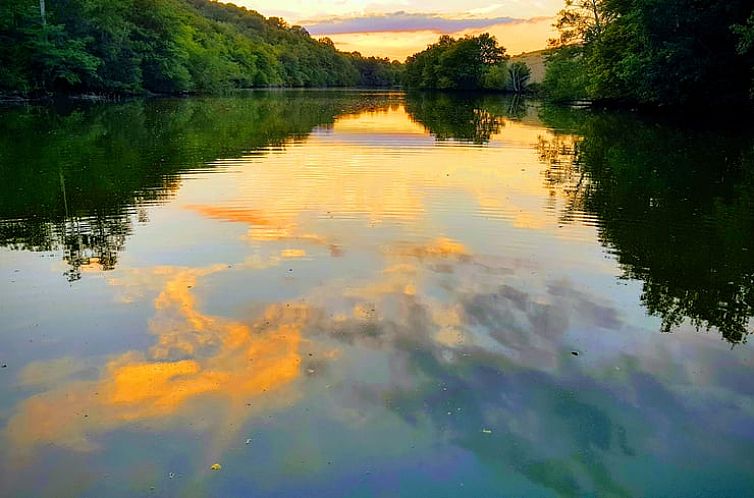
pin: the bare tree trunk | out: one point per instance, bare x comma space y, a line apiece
597, 20
42, 12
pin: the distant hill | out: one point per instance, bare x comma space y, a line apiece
536, 62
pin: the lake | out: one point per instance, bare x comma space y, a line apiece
373, 294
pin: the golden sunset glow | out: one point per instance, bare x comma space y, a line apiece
321, 184
399, 29
526, 36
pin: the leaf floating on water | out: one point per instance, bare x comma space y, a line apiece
216, 467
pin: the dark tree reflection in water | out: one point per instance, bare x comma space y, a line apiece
96, 166
466, 118
675, 205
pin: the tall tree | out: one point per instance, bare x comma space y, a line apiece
658, 52
581, 21
457, 64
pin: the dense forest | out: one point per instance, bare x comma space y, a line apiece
653, 52
166, 46
637, 52
468, 63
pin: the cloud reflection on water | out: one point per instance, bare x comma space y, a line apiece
246, 366
466, 340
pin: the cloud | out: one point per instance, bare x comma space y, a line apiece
402, 22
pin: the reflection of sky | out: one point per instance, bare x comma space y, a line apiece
377, 314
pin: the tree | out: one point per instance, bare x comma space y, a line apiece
581, 21
746, 34
656, 52
162, 46
566, 76
746, 42
520, 74
497, 77
461, 64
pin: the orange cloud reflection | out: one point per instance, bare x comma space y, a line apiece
195, 355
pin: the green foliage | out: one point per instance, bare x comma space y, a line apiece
746, 43
746, 34
452, 64
566, 76
375, 72
59, 59
582, 21
166, 46
655, 52
497, 77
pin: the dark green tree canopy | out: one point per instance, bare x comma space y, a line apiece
166, 46
656, 52
457, 64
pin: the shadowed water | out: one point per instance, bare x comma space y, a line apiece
340, 293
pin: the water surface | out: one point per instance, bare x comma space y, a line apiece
338, 293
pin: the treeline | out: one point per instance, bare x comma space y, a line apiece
468, 63
166, 46
652, 52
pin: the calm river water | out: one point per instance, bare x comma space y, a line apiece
373, 294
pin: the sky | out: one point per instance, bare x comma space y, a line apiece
399, 28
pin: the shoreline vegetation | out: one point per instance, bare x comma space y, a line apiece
172, 47
640, 54
653, 54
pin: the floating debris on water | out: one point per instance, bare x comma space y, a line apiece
248, 441
171, 475
487, 431
575, 353
216, 467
